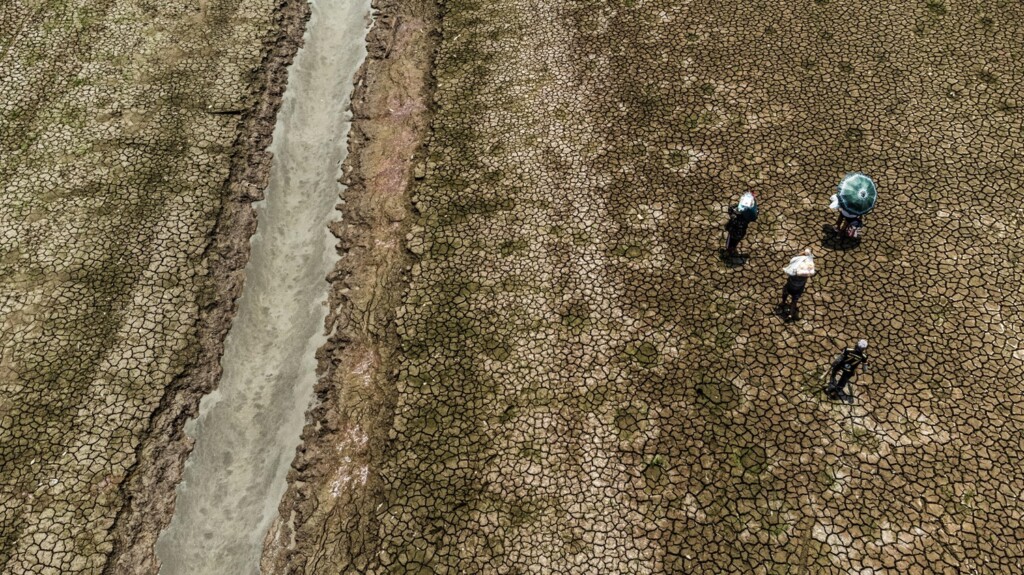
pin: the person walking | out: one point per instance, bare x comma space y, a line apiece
844, 368
846, 226
855, 198
740, 217
797, 272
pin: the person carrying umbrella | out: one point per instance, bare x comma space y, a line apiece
856, 197
844, 367
739, 218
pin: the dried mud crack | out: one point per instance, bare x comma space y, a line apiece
132, 142
538, 362
582, 386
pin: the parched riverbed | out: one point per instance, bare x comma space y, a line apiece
539, 362
583, 386
132, 138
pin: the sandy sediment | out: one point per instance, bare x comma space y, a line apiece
132, 139
161, 456
327, 519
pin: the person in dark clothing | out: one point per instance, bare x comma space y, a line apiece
844, 368
737, 228
841, 223
740, 216
844, 222
794, 289
799, 269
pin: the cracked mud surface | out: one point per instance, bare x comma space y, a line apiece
132, 138
584, 387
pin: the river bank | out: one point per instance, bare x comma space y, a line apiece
122, 272
328, 514
247, 429
150, 491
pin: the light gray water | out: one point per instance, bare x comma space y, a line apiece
247, 430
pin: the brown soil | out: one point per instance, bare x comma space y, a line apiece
132, 142
150, 489
328, 519
585, 386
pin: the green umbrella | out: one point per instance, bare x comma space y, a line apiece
857, 194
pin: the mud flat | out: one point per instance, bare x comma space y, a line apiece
582, 386
132, 141
327, 519
247, 429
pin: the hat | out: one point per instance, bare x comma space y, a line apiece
862, 344
747, 200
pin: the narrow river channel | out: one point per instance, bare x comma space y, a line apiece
247, 430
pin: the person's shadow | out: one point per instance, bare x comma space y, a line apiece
833, 240
732, 261
843, 396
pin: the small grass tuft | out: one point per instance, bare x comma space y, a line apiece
937, 7
988, 77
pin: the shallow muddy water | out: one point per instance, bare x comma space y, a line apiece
247, 430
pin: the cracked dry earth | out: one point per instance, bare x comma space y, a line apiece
586, 388
119, 132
